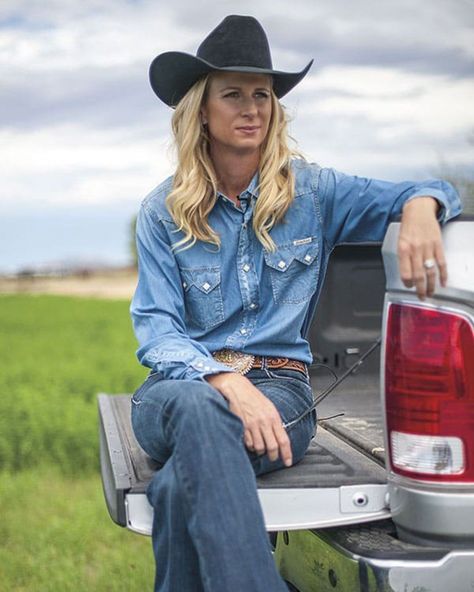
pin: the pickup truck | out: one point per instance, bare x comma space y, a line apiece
384, 499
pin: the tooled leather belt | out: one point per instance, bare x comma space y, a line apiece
243, 363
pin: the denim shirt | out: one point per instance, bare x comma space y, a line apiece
189, 303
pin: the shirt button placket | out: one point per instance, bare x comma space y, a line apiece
248, 281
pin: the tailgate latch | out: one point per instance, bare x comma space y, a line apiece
363, 498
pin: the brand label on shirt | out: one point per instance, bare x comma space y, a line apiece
303, 241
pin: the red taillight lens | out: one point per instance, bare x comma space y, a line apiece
429, 393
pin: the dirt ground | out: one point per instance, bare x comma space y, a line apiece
110, 284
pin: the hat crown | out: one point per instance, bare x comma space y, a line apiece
237, 41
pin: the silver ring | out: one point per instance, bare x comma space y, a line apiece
429, 263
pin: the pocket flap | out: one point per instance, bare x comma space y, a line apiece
204, 279
305, 251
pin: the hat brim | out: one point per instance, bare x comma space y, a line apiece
173, 73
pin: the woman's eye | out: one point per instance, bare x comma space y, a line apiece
262, 95
232, 95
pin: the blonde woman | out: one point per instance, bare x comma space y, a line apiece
232, 252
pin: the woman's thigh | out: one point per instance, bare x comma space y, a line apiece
160, 406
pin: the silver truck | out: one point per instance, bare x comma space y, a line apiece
384, 499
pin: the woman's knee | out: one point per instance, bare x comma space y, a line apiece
193, 397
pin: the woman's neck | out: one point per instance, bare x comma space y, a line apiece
234, 172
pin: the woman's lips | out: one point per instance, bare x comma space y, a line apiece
248, 129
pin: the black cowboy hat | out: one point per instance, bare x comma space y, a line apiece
237, 44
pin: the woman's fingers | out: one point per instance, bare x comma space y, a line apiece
404, 263
258, 442
236, 408
419, 274
269, 436
420, 247
284, 446
429, 264
421, 265
248, 440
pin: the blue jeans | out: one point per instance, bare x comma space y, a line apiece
208, 527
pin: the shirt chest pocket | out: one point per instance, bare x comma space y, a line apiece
203, 296
294, 270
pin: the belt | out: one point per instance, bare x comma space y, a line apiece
243, 363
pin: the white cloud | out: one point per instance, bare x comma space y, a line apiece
387, 96
66, 164
383, 122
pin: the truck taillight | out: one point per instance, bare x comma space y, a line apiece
429, 393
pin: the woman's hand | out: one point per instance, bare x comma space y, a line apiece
420, 248
263, 427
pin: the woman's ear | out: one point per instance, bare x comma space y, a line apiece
203, 116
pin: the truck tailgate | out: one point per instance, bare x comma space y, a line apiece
334, 484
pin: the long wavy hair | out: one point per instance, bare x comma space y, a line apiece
194, 191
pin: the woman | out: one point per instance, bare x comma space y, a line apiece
232, 252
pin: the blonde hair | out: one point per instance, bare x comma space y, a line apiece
194, 192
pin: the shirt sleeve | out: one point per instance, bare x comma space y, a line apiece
357, 209
158, 312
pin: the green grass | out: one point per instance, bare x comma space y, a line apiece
56, 536
56, 354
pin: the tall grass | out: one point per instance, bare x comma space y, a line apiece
56, 354
56, 536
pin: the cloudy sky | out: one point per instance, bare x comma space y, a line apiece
83, 138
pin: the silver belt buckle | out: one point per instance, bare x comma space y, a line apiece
238, 361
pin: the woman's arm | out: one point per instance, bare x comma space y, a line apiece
158, 311
356, 209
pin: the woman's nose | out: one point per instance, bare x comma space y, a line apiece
249, 106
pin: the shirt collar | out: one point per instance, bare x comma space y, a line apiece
253, 187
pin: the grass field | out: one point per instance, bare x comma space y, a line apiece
57, 353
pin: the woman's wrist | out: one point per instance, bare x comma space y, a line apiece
421, 203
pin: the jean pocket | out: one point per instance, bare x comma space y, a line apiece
149, 380
294, 270
289, 375
203, 296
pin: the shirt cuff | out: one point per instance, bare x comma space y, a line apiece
184, 365
201, 367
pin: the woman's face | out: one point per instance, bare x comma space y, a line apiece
237, 111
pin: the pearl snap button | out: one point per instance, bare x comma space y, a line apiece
199, 364
185, 285
243, 331
308, 258
246, 267
282, 265
206, 286
253, 305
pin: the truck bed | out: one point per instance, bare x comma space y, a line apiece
361, 424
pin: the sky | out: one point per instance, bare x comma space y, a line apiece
83, 138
